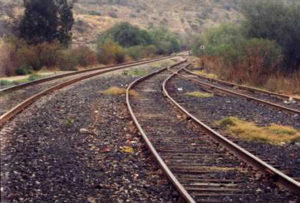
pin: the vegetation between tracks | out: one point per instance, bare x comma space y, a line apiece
199, 94
273, 134
117, 91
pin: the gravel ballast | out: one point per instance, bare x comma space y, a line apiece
78, 145
285, 157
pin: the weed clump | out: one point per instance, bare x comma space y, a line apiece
117, 91
273, 134
199, 94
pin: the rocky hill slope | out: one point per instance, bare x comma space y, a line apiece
185, 17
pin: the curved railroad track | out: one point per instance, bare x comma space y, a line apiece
43, 80
280, 101
283, 156
19, 101
201, 163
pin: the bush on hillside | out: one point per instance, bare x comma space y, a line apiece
85, 56
141, 43
110, 52
139, 52
165, 41
235, 57
20, 58
126, 35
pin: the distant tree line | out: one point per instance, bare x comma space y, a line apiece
127, 41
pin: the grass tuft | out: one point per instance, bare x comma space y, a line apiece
225, 122
135, 72
273, 134
117, 91
205, 74
199, 94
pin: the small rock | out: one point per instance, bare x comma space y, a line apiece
84, 131
282, 143
258, 176
92, 200
258, 190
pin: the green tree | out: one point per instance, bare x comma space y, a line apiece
165, 41
126, 35
220, 40
66, 21
46, 20
279, 22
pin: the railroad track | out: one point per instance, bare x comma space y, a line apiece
18, 102
282, 156
201, 163
43, 80
280, 101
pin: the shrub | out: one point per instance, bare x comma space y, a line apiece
218, 39
138, 43
9, 59
126, 35
23, 70
110, 52
85, 56
20, 58
139, 52
66, 61
94, 13
165, 41
113, 14
236, 57
40, 55
33, 77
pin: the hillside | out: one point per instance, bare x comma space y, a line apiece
94, 16
186, 19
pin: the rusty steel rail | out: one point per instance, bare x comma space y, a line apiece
23, 105
284, 108
182, 191
276, 175
244, 87
23, 85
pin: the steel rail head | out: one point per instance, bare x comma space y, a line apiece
244, 87
184, 194
42, 80
250, 158
245, 96
20, 107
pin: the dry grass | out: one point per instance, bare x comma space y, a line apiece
223, 169
275, 82
273, 134
286, 85
117, 91
199, 94
204, 73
